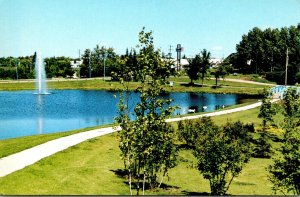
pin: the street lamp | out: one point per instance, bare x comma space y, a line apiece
90, 73
104, 57
17, 64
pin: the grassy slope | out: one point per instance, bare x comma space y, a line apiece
88, 168
14, 145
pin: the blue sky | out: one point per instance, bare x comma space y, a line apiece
62, 27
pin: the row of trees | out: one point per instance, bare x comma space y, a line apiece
265, 52
13, 68
94, 60
24, 67
92, 65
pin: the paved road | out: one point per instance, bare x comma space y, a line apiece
30, 156
52, 79
252, 82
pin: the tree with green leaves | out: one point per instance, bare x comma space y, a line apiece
146, 143
58, 67
129, 61
205, 63
221, 71
84, 67
291, 103
189, 130
264, 52
267, 110
193, 68
285, 172
221, 152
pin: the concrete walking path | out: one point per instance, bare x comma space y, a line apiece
30, 156
247, 81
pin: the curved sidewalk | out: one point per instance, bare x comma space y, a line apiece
30, 156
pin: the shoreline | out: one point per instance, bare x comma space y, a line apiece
20, 160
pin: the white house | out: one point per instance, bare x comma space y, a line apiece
75, 64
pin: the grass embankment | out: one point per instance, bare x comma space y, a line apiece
14, 145
89, 168
180, 85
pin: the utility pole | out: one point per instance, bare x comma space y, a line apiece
286, 65
79, 64
104, 57
90, 73
18, 63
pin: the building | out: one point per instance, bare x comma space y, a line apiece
179, 64
75, 64
215, 61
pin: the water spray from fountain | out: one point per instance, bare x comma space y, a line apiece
40, 75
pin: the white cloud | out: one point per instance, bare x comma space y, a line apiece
217, 48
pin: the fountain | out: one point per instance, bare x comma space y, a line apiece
40, 75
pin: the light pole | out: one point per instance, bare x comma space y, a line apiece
90, 73
18, 63
104, 57
286, 65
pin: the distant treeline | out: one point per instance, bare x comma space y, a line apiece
260, 52
264, 52
92, 62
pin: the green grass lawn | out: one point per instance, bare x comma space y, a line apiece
99, 84
89, 168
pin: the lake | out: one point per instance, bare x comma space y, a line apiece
23, 113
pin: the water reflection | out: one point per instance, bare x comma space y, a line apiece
40, 114
24, 113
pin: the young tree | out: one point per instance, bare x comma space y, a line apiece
84, 67
221, 152
221, 155
291, 103
189, 130
285, 172
267, 111
146, 143
193, 68
221, 71
262, 148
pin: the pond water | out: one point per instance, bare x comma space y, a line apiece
24, 113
